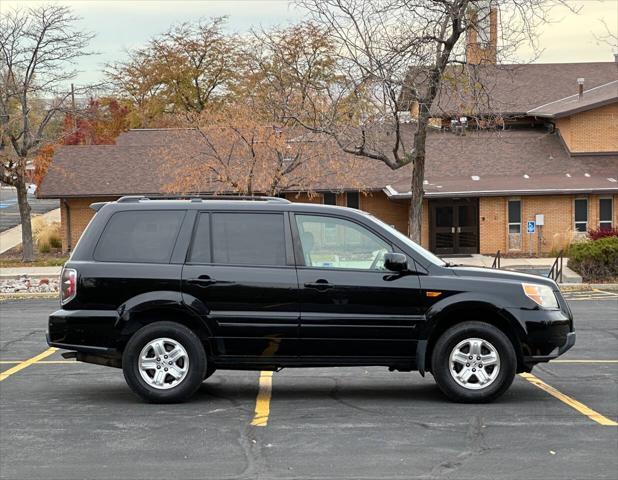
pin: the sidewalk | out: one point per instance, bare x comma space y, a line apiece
12, 237
486, 261
535, 266
32, 272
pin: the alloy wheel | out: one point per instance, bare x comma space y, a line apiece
474, 363
163, 363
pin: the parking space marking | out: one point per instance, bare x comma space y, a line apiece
612, 294
27, 363
41, 362
571, 402
262, 403
593, 294
583, 361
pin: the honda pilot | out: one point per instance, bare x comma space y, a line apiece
171, 290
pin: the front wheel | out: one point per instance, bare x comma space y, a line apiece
164, 362
473, 362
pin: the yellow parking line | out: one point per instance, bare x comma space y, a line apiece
610, 294
262, 403
42, 362
571, 402
26, 363
583, 361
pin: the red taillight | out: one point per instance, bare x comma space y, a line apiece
68, 287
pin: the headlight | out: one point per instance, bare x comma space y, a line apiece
540, 294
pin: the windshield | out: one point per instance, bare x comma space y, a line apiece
426, 254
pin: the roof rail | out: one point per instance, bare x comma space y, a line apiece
199, 198
131, 199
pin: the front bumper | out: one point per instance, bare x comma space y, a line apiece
532, 360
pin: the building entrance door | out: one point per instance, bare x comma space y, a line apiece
454, 226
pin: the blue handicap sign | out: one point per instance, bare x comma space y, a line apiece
531, 227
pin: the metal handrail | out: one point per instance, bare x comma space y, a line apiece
497, 260
555, 272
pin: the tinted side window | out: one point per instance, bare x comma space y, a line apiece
337, 243
248, 238
200, 247
139, 236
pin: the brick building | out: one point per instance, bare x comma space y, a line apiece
509, 143
558, 159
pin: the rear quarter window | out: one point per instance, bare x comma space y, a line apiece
139, 236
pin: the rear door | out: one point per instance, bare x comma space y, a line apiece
240, 265
351, 307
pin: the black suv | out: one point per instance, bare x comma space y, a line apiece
172, 290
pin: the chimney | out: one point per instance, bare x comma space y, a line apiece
580, 87
482, 33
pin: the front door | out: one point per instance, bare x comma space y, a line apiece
241, 268
454, 227
350, 305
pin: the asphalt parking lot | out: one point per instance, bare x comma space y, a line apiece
65, 420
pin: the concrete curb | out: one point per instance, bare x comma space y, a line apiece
29, 296
579, 287
34, 276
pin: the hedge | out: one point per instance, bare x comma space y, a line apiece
595, 261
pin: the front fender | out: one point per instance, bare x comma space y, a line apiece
464, 302
469, 301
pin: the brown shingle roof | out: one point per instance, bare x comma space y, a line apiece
510, 89
499, 159
593, 98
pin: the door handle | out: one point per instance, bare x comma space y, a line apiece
319, 284
202, 281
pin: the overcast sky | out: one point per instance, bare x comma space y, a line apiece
124, 24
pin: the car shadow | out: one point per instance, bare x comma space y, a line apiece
241, 393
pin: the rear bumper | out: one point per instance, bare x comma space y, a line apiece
82, 348
91, 331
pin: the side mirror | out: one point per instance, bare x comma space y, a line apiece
396, 262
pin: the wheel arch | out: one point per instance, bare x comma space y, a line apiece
158, 306
464, 312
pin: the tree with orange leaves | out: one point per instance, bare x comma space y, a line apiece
232, 151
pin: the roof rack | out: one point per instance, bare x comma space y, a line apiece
199, 198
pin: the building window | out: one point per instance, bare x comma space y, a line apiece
581, 214
514, 216
514, 222
330, 198
606, 212
353, 200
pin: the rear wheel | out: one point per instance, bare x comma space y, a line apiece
164, 362
473, 362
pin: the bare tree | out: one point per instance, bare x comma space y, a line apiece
232, 151
608, 37
38, 47
386, 47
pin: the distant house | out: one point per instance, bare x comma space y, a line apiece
545, 144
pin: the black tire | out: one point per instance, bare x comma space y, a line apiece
196, 367
440, 362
